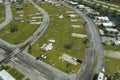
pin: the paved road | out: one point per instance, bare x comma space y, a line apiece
94, 58
27, 70
94, 54
6, 46
40, 31
51, 72
8, 14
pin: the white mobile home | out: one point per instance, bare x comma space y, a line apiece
108, 24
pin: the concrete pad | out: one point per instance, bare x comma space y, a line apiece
69, 59
37, 17
73, 20
70, 12
112, 54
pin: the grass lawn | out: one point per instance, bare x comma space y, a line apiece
13, 72
24, 28
2, 14
111, 47
116, 2
61, 31
112, 65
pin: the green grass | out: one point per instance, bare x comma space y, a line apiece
24, 29
116, 2
112, 65
2, 14
111, 47
61, 31
13, 72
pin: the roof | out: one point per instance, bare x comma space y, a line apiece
117, 42
103, 18
111, 30
108, 24
6, 76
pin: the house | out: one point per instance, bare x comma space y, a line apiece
72, 15
112, 30
80, 6
103, 18
108, 24
73, 3
4, 75
117, 43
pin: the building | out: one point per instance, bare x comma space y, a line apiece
117, 43
103, 18
5, 75
108, 24
112, 30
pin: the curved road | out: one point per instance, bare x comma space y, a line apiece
93, 62
94, 59
8, 14
48, 71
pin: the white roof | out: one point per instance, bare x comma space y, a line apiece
73, 3
117, 42
103, 18
108, 24
72, 15
81, 6
6, 76
111, 30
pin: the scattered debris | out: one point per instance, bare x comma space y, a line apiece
47, 47
60, 17
79, 35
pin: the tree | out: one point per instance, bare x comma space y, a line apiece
68, 45
13, 28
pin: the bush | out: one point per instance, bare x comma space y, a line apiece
68, 45
13, 28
